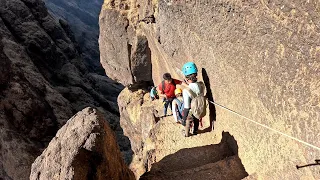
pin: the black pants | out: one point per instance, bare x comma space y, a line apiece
167, 102
195, 121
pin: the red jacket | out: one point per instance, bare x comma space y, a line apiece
169, 88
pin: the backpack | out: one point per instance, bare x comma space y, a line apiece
154, 93
180, 108
198, 102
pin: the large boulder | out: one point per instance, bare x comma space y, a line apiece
258, 58
84, 148
125, 53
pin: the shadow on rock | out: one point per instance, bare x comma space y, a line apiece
212, 108
143, 85
219, 161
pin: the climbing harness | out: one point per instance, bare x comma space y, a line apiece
265, 126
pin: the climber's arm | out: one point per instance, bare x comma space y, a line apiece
161, 93
183, 83
186, 104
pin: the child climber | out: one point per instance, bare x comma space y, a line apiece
177, 105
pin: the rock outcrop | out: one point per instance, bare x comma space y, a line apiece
137, 117
258, 58
125, 52
84, 148
43, 82
83, 17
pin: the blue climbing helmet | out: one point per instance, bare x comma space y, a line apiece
189, 68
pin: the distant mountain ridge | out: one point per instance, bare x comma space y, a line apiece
83, 18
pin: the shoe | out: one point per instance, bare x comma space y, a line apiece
185, 134
194, 133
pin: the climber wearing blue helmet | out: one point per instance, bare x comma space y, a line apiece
189, 68
193, 94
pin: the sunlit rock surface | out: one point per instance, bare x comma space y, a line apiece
258, 58
84, 148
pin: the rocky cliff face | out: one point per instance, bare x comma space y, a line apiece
138, 116
43, 82
84, 148
125, 52
258, 58
161, 150
83, 17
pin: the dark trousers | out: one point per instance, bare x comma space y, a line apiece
195, 121
167, 102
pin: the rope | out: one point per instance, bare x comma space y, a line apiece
265, 126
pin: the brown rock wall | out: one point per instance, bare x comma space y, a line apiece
137, 118
125, 52
259, 65
114, 46
262, 61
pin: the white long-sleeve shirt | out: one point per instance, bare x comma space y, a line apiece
195, 87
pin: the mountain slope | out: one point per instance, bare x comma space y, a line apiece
83, 17
43, 82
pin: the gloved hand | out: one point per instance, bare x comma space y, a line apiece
164, 100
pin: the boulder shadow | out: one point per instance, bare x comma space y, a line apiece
217, 161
